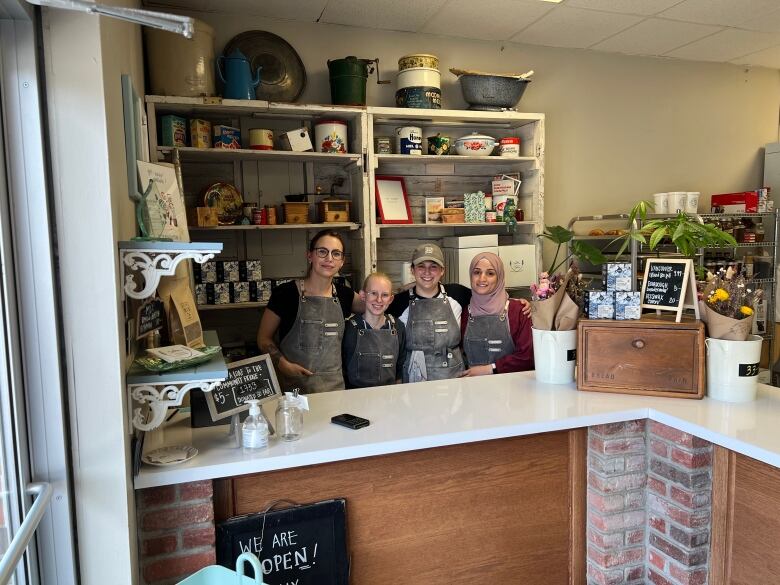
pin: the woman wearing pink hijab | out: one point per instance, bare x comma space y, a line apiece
495, 329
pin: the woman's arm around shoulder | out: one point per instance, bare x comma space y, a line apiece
522, 358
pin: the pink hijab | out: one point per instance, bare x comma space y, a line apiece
492, 303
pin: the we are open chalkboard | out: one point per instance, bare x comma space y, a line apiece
669, 285
304, 545
249, 379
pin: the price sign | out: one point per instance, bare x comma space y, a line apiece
250, 379
669, 285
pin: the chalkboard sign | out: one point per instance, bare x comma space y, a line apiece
150, 318
249, 379
304, 545
669, 285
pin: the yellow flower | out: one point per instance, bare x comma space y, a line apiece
747, 311
720, 295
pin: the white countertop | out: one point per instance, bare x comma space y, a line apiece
406, 417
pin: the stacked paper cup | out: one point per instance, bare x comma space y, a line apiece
676, 201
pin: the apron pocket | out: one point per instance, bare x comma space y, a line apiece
421, 335
368, 367
310, 336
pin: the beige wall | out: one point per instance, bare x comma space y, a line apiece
619, 128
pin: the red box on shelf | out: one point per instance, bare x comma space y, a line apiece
745, 202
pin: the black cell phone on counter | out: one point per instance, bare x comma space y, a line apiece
350, 421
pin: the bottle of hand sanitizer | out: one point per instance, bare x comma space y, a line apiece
254, 432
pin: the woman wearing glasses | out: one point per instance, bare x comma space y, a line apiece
309, 317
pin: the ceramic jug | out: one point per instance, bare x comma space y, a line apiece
237, 76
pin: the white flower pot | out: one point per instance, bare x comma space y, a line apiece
555, 355
732, 368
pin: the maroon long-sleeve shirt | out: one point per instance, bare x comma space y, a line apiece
522, 358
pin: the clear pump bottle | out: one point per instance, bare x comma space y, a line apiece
254, 431
289, 417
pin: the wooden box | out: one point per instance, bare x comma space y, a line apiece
650, 356
202, 216
296, 212
334, 210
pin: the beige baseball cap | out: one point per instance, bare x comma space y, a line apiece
430, 252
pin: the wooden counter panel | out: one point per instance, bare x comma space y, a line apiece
490, 512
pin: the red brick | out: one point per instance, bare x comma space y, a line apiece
659, 448
656, 485
595, 443
606, 503
685, 557
630, 427
687, 518
688, 576
161, 545
689, 479
620, 521
196, 490
170, 518
635, 500
606, 465
158, 496
657, 560
689, 538
605, 540
604, 577
657, 579
636, 462
171, 567
690, 499
657, 523
676, 436
635, 536
635, 573
692, 460
195, 537
610, 559
617, 483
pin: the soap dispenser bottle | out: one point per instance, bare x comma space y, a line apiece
254, 431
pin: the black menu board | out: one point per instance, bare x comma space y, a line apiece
249, 379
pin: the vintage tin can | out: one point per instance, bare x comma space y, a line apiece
383, 145
200, 133
509, 147
425, 97
490, 217
408, 140
330, 136
261, 139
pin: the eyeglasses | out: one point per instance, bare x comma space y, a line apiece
323, 253
375, 294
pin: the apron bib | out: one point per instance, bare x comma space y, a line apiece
487, 338
375, 357
315, 343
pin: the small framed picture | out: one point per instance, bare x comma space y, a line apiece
392, 203
433, 208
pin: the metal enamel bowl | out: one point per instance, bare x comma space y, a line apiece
492, 92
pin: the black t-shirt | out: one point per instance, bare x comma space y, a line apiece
456, 292
284, 302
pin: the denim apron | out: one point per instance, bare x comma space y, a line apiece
432, 329
376, 355
315, 343
487, 338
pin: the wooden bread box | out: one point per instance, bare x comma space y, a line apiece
296, 212
647, 356
334, 210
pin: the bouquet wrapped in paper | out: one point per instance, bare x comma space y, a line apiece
552, 305
727, 306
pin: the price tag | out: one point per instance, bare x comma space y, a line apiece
748, 370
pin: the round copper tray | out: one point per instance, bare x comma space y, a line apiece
283, 76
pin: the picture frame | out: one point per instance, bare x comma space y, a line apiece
392, 202
433, 208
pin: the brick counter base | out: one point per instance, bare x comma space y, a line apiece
649, 505
175, 531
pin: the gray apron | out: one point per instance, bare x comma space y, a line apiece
376, 355
487, 338
315, 343
432, 328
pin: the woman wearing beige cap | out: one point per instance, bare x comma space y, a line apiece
431, 313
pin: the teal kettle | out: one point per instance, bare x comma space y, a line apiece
236, 73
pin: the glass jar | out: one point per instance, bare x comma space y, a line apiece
289, 417
759, 231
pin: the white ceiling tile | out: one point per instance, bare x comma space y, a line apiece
574, 27
466, 18
646, 7
723, 12
655, 36
300, 10
726, 45
406, 15
769, 23
766, 58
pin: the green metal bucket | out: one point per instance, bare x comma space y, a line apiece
348, 81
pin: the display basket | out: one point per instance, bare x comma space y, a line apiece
217, 575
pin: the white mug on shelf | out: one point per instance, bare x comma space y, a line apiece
692, 202
677, 201
661, 203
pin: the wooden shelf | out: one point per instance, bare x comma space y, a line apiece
453, 159
423, 117
189, 154
498, 224
252, 305
216, 106
280, 226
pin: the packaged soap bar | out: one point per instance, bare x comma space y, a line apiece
222, 293
204, 294
206, 272
227, 137
474, 206
627, 305
227, 271
617, 276
200, 133
601, 305
174, 131
240, 292
250, 270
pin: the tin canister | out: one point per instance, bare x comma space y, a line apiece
509, 147
488, 202
438, 144
384, 145
261, 139
408, 140
490, 216
425, 97
260, 216
330, 136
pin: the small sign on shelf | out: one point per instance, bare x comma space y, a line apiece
670, 285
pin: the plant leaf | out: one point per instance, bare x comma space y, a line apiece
557, 234
657, 236
588, 252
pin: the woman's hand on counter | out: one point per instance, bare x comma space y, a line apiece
292, 369
477, 371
